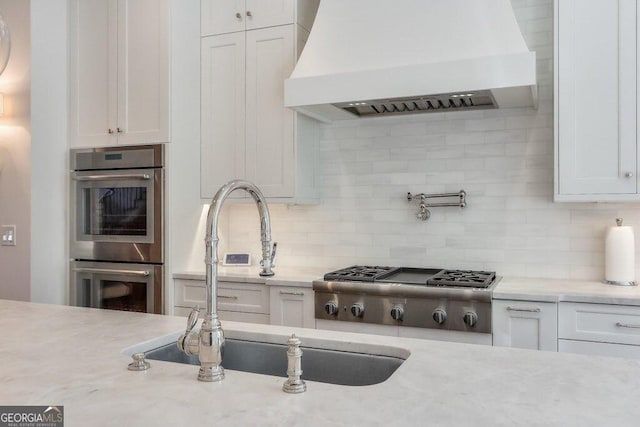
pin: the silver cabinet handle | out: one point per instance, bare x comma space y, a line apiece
291, 293
628, 175
142, 176
529, 310
140, 273
228, 296
627, 325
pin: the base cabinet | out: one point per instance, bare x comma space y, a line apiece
599, 329
237, 301
291, 306
525, 324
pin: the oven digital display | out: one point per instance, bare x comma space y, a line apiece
113, 156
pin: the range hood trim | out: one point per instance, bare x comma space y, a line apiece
510, 78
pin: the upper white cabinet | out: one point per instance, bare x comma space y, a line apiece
227, 16
525, 324
596, 49
246, 132
118, 72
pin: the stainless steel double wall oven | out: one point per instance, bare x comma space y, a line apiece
117, 227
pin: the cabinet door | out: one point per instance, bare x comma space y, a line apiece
143, 71
222, 121
269, 13
270, 159
596, 93
92, 73
292, 307
525, 324
222, 16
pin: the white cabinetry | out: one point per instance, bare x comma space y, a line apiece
118, 72
292, 306
246, 132
525, 324
237, 301
596, 100
227, 16
602, 329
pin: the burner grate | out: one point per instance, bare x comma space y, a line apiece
358, 273
463, 278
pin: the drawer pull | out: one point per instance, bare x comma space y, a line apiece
292, 293
228, 296
529, 310
626, 325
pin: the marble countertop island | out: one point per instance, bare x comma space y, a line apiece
58, 355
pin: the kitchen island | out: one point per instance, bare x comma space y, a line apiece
58, 355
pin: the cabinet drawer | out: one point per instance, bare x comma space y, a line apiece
232, 296
600, 322
599, 348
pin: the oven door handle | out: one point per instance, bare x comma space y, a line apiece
141, 176
139, 273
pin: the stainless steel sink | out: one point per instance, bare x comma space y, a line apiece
322, 365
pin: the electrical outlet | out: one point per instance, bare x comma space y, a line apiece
8, 233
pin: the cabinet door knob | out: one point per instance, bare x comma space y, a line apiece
249, 13
119, 130
110, 130
628, 175
239, 16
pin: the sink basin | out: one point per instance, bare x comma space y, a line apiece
318, 364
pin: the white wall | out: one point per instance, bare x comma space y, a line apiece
49, 156
503, 160
15, 164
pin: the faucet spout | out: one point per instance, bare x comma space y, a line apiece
211, 337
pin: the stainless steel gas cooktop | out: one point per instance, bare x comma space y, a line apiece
455, 300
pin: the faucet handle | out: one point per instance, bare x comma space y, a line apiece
192, 319
188, 342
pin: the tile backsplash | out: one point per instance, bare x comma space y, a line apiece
503, 159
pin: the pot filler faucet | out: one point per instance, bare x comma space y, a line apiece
208, 343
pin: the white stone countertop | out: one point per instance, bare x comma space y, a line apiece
58, 355
556, 290
513, 288
284, 276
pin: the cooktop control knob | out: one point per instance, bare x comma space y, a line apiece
357, 310
397, 313
470, 318
439, 315
331, 308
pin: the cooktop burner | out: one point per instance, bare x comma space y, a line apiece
468, 278
358, 273
414, 276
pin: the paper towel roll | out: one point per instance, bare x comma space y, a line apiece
620, 258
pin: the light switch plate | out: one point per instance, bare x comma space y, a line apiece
8, 235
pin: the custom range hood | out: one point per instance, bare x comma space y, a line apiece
369, 58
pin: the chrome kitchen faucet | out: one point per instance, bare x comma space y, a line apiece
208, 343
